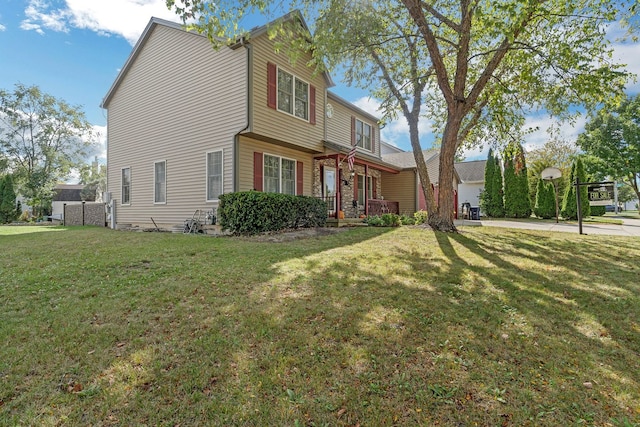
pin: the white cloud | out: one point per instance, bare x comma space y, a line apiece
2, 27
124, 18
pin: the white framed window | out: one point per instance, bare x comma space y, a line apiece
160, 182
363, 135
125, 185
293, 95
214, 175
279, 175
361, 193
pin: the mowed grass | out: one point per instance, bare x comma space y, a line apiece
369, 327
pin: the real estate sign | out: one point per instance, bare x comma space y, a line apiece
600, 194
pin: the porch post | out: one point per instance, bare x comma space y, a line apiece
339, 186
366, 190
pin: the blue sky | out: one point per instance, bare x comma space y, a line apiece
73, 49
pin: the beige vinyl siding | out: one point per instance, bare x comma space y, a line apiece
277, 124
179, 100
339, 126
248, 146
401, 187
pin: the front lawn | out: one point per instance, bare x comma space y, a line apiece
369, 327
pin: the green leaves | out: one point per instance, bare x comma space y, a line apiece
42, 138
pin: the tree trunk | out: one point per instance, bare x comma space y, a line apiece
421, 167
443, 220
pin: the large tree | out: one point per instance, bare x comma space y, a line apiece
473, 67
557, 153
613, 136
42, 138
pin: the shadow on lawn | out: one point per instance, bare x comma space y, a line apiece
408, 327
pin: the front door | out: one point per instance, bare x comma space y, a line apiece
329, 189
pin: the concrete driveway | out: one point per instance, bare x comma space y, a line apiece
630, 227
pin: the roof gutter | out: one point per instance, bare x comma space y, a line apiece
248, 97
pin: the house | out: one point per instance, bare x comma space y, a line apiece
65, 194
405, 186
471, 181
187, 123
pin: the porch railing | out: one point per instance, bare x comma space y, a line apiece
330, 201
379, 207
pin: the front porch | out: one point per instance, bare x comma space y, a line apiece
351, 192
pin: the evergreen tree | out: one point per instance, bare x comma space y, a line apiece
569, 203
7, 200
491, 198
545, 200
517, 201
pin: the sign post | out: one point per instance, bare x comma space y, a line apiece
600, 193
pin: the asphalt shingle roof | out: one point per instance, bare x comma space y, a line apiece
471, 171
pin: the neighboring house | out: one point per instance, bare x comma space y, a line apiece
64, 194
406, 187
387, 148
187, 123
471, 181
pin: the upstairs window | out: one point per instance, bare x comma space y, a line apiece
363, 135
293, 95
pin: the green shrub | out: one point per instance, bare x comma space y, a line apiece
598, 210
374, 221
420, 217
252, 212
391, 220
407, 220
545, 200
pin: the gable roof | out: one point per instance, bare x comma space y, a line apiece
472, 171
406, 160
67, 193
332, 96
153, 22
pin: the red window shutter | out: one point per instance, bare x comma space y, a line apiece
353, 130
374, 184
257, 171
299, 178
271, 85
312, 105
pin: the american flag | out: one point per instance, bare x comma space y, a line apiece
351, 157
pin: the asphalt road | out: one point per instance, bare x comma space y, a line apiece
630, 227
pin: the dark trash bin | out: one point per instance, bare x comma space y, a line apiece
475, 213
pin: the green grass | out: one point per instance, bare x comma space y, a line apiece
370, 326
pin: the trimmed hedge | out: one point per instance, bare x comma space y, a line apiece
598, 210
252, 212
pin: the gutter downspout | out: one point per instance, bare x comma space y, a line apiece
248, 97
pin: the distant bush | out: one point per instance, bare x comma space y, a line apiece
374, 221
420, 217
385, 220
391, 220
252, 212
407, 220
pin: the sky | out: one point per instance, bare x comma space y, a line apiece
74, 49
